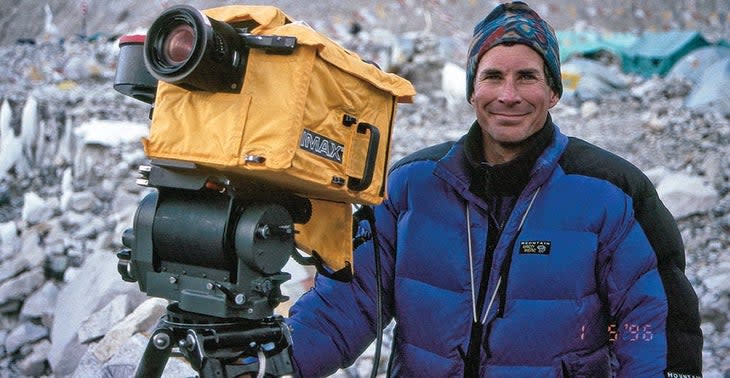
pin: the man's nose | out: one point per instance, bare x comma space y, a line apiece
509, 94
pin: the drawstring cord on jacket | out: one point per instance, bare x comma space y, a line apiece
471, 262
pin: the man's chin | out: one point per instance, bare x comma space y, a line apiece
512, 144
512, 140
515, 141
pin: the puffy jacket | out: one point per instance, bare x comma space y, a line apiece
574, 287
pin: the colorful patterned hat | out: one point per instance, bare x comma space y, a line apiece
514, 22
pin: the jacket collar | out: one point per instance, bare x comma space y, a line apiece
507, 179
457, 169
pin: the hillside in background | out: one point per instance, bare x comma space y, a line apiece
22, 19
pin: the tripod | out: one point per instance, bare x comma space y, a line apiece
215, 249
219, 347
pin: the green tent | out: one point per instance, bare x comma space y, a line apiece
655, 53
590, 43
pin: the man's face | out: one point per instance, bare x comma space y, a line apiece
511, 99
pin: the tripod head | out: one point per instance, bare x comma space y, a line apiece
209, 242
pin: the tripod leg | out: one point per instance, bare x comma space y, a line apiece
155, 354
213, 368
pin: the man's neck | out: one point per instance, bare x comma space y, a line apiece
507, 178
500, 154
496, 153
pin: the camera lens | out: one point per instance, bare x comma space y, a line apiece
178, 45
186, 48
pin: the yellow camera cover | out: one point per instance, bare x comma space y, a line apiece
316, 122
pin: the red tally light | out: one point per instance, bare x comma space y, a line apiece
179, 44
215, 186
132, 39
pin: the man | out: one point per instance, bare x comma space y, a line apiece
516, 251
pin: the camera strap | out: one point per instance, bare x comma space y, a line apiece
342, 275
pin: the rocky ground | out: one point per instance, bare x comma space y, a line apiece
71, 192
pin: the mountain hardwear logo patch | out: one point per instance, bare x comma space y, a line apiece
535, 247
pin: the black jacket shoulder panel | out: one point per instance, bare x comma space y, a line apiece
586, 159
432, 153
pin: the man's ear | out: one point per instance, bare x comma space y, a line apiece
554, 98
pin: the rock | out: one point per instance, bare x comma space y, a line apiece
125, 362
654, 123
23, 334
96, 282
82, 201
34, 364
589, 109
141, 319
32, 256
78, 68
55, 236
9, 239
718, 284
686, 195
20, 287
91, 229
10, 307
40, 304
99, 322
4, 194
72, 220
725, 223
657, 174
3, 336
56, 266
35, 209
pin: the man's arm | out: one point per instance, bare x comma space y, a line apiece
643, 284
684, 336
637, 303
335, 322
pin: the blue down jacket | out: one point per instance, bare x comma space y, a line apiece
574, 284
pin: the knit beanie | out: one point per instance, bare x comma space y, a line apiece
514, 22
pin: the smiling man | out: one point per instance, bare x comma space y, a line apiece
511, 99
516, 251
